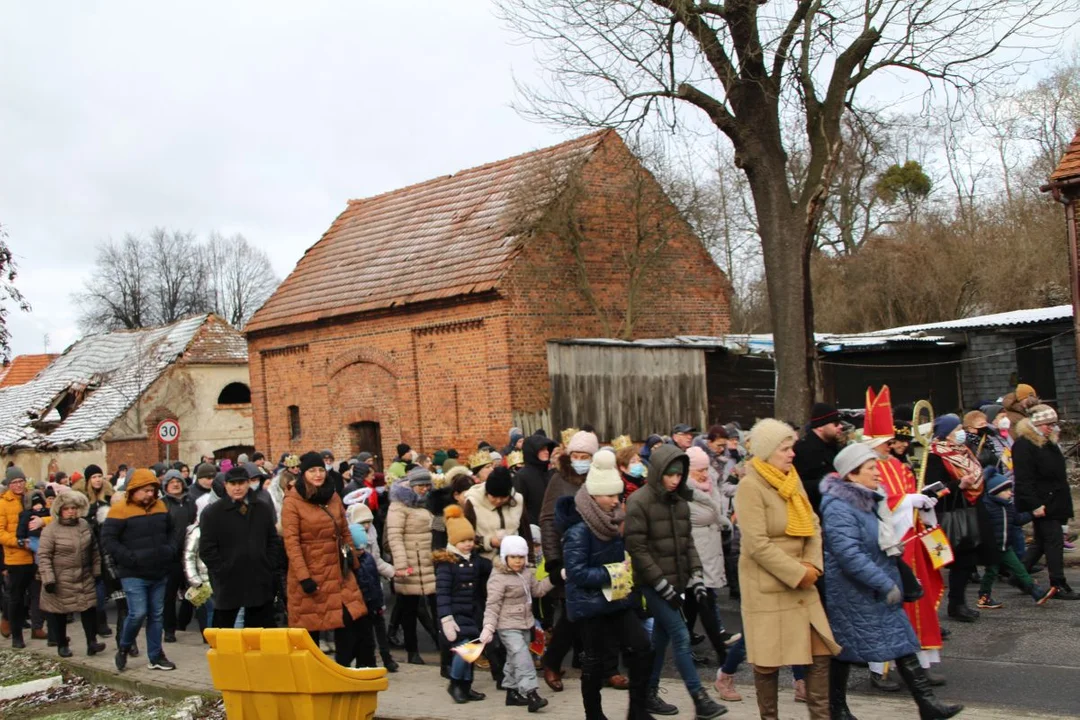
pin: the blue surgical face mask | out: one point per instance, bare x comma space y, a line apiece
581, 466
961, 437
637, 470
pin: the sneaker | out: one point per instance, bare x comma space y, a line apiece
1041, 595
725, 687
121, 660
696, 639
170, 637
730, 639
162, 663
656, 706
1069, 547
986, 602
1064, 592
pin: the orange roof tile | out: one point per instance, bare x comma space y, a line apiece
442, 238
217, 343
1069, 167
24, 368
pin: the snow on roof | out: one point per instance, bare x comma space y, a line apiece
85, 390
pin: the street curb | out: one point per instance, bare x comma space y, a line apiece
131, 685
11, 692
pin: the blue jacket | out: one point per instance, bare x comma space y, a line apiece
858, 576
367, 577
459, 587
584, 558
1003, 518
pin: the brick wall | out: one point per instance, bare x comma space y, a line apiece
445, 374
133, 453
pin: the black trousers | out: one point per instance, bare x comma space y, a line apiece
1049, 541
344, 640
963, 565
260, 616
562, 639
603, 637
413, 611
58, 626
172, 620
360, 644
20, 577
710, 620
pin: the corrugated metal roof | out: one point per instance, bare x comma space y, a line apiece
111, 371
1033, 316
23, 368
1069, 167
450, 236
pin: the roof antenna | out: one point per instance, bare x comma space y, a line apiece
46, 340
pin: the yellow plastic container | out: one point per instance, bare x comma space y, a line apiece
282, 674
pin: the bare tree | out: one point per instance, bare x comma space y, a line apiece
176, 283
240, 276
117, 295
8, 292
745, 64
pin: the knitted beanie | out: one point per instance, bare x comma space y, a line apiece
13, 473
1042, 415
582, 441
603, 477
945, 424
92, 470
499, 483
311, 460
458, 529
699, 459
1024, 391
513, 546
359, 513
418, 476
766, 436
402, 449
852, 457
359, 536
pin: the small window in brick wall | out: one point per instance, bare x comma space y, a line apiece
294, 422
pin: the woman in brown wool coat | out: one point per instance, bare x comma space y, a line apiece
784, 622
69, 563
321, 596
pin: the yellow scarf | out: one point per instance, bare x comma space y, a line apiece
800, 516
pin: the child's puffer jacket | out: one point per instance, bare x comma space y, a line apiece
508, 606
1003, 516
367, 577
456, 581
584, 558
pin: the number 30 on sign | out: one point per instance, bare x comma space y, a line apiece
168, 431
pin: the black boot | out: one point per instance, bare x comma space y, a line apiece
590, 696
389, 662
94, 648
838, 680
393, 637
657, 705
705, 708
638, 667
535, 702
881, 682
64, 651
415, 659
470, 694
457, 691
930, 708
963, 613
515, 699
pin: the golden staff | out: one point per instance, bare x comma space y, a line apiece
921, 407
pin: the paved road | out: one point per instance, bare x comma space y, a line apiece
1020, 656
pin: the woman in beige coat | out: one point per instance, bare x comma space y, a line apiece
783, 620
408, 535
69, 563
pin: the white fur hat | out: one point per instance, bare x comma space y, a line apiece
513, 545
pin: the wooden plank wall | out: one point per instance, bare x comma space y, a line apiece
626, 390
741, 388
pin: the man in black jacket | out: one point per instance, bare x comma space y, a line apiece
532, 479
238, 540
815, 452
139, 537
1039, 468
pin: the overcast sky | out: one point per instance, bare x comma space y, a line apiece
257, 118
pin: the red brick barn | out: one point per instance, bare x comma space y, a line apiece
422, 314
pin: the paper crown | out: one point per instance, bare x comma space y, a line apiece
292, 461
567, 434
623, 441
902, 430
878, 421
479, 459
515, 458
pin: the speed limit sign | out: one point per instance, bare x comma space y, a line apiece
168, 431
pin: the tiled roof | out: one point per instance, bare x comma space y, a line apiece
450, 236
23, 368
1069, 167
217, 343
110, 371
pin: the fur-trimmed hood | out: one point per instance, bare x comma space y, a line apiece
1024, 429
70, 498
402, 493
853, 494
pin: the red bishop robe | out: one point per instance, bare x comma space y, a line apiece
898, 480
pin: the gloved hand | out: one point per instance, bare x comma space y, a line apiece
923, 502
308, 586
487, 635
895, 597
554, 569
697, 587
667, 591
450, 628
50, 588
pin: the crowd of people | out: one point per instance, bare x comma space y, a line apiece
609, 553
